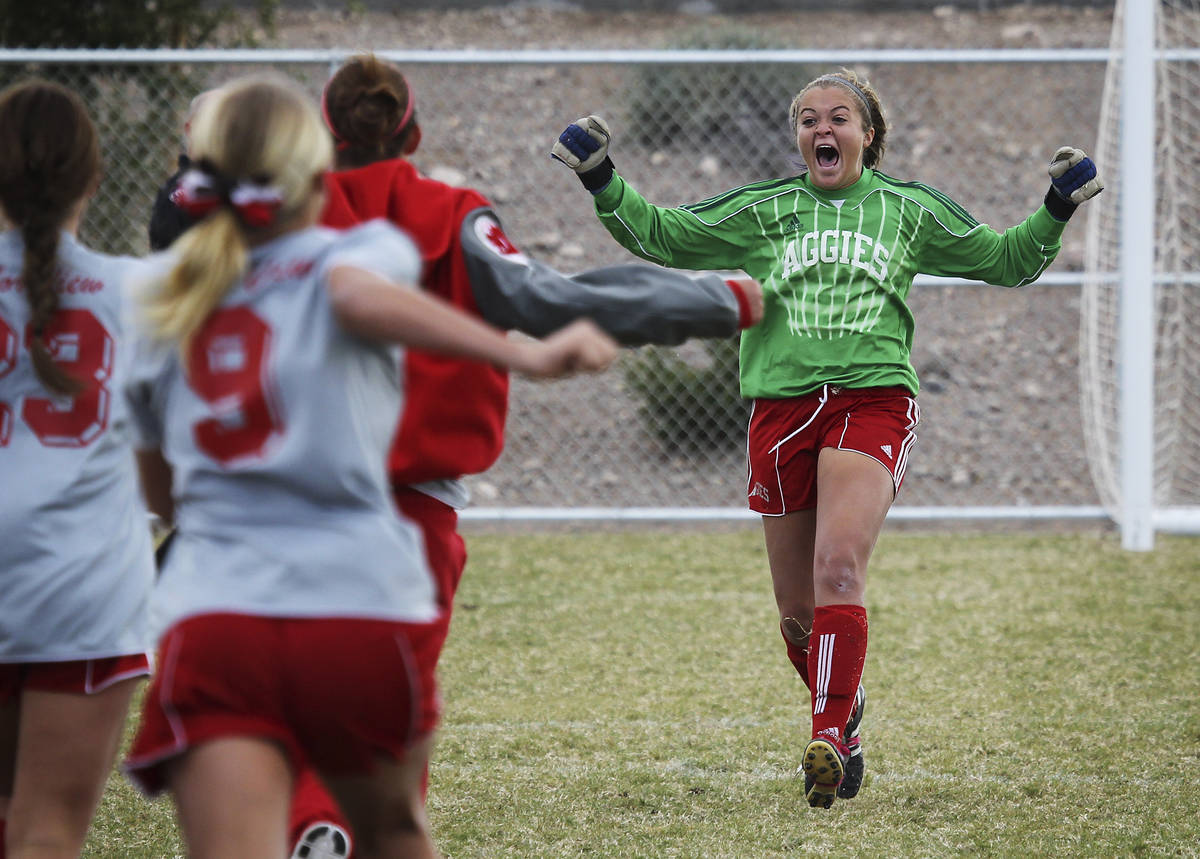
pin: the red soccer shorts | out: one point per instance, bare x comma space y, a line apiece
445, 551
786, 436
79, 677
335, 693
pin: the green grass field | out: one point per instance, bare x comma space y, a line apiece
627, 695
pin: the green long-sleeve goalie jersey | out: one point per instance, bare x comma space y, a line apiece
835, 267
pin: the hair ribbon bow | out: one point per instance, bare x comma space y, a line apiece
200, 191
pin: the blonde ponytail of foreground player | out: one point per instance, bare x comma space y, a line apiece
258, 149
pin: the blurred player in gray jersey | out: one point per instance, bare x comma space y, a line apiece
297, 601
75, 553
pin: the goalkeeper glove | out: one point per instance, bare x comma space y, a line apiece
583, 147
1073, 179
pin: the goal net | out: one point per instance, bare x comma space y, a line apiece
1177, 266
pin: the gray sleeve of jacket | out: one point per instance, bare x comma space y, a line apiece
636, 303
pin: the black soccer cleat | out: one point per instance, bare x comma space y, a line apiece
856, 765
856, 713
824, 765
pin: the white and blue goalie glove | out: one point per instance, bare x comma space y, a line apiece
1073, 179
583, 146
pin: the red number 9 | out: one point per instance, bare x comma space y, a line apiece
227, 365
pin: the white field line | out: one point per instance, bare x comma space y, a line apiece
765, 773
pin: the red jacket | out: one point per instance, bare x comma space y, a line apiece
453, 421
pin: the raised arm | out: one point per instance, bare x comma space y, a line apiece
373, 307
636, 304
1020, 254
672, 237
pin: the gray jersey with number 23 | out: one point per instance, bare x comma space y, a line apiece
75, 555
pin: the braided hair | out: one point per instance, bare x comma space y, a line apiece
49, 163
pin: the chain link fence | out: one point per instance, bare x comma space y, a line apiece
665, 429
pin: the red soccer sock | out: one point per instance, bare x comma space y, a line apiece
798, 656
836, 652
311, 805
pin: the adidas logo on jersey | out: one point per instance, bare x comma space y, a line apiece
793, 226
887, 450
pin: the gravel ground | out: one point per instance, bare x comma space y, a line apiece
522, 26
999, 367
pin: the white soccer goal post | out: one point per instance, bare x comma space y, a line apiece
1140, 331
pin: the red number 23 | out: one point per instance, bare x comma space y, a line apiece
81, 346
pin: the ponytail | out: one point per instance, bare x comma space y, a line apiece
212, 256
369, 108
258, 152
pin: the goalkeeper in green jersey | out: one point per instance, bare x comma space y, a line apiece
828, 368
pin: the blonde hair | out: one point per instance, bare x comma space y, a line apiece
866, 100
262, 129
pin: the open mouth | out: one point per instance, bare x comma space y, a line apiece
827, 156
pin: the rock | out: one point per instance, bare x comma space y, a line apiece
1023, 35
447, 174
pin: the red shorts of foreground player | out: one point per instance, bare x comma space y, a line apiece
334, 693
445, 551
786, 436
78, 677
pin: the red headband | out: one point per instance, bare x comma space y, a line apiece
343, 142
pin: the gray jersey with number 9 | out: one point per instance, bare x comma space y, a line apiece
278, 434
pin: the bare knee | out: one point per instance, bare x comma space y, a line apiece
838, 576
55, 824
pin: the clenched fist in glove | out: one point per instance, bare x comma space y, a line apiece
1073, 179
583, 147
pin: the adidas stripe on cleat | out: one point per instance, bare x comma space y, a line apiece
856, 713
856, 765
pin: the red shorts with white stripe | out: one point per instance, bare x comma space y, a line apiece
786, 436
78, 677
444, 550
334, 693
